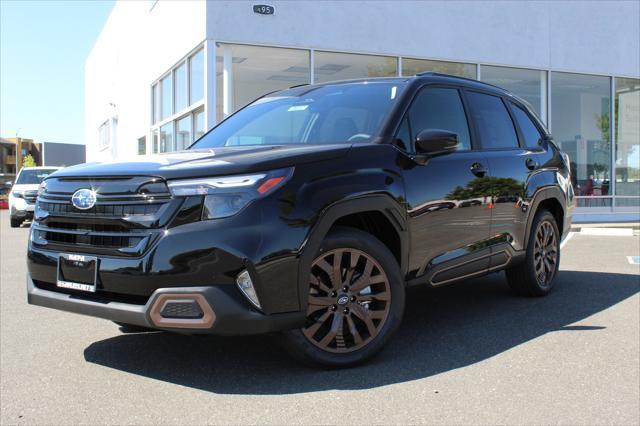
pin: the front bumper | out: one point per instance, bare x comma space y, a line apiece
25, 213
227, 316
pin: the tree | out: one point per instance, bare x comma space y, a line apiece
28, 161
486, 186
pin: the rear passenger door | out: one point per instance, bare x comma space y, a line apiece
448, 213
514, 150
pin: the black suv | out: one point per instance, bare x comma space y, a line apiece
308, 212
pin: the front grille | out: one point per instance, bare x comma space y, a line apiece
30, 196
114, 210
127, 217
87, 227
87, 240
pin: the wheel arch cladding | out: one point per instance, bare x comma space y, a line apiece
550, 199
379, 215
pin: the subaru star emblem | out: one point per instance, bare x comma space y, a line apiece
83, 199
343, 300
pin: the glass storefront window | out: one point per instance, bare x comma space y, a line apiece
580, 119
414, 66
155, 100
142, 145
331, 66
627, 130
166, 137
530, 85
183, 133
180, 79
196, 77
256, 70
155, 141
167, 98
198, 124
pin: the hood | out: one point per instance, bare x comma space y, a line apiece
209, 162
25, 187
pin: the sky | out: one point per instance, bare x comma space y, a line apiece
43, 46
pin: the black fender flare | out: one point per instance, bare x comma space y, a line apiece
542, 194
384, 204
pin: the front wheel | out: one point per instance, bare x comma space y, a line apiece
15, 222
535, 275
355, 301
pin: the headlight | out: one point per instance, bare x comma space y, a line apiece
42, 188
17, 194
227, 195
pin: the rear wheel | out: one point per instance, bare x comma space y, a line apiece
535, 276
355, 301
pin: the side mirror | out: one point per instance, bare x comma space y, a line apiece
432, 142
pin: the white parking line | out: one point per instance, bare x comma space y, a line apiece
567, 238
615, 232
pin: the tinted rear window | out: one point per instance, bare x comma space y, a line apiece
493, 121
529, 130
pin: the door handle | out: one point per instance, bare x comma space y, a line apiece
531, 164
478, 169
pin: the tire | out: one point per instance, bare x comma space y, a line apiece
527, 278
15, 222
352, 316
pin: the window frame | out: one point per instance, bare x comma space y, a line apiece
187, 60
516, 129
174, 71
176, 115
106, 128
475, 146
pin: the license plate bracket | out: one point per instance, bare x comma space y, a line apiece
77, 272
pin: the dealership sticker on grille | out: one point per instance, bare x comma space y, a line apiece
77, 272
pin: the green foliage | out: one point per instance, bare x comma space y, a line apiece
602, 121
28, 161
485, 186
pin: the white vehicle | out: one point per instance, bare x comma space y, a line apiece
22, 198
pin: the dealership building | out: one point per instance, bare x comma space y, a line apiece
162, 72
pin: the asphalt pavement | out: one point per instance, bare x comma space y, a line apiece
470, 353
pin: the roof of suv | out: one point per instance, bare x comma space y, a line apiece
425, 76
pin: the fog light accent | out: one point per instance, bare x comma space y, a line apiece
246, 287
160, 302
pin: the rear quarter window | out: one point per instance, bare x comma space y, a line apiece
493, 121
530, 132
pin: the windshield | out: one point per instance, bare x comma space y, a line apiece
351, 112
33, 176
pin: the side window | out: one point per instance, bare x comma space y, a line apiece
493, 120
440, 108
529, 130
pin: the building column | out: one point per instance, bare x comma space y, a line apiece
113, 138
543, 97
612, 144
210, 105
227, 81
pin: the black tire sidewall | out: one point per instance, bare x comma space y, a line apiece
15, 222
542, 216
304, 350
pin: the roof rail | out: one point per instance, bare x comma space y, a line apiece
439, 74
299, 85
